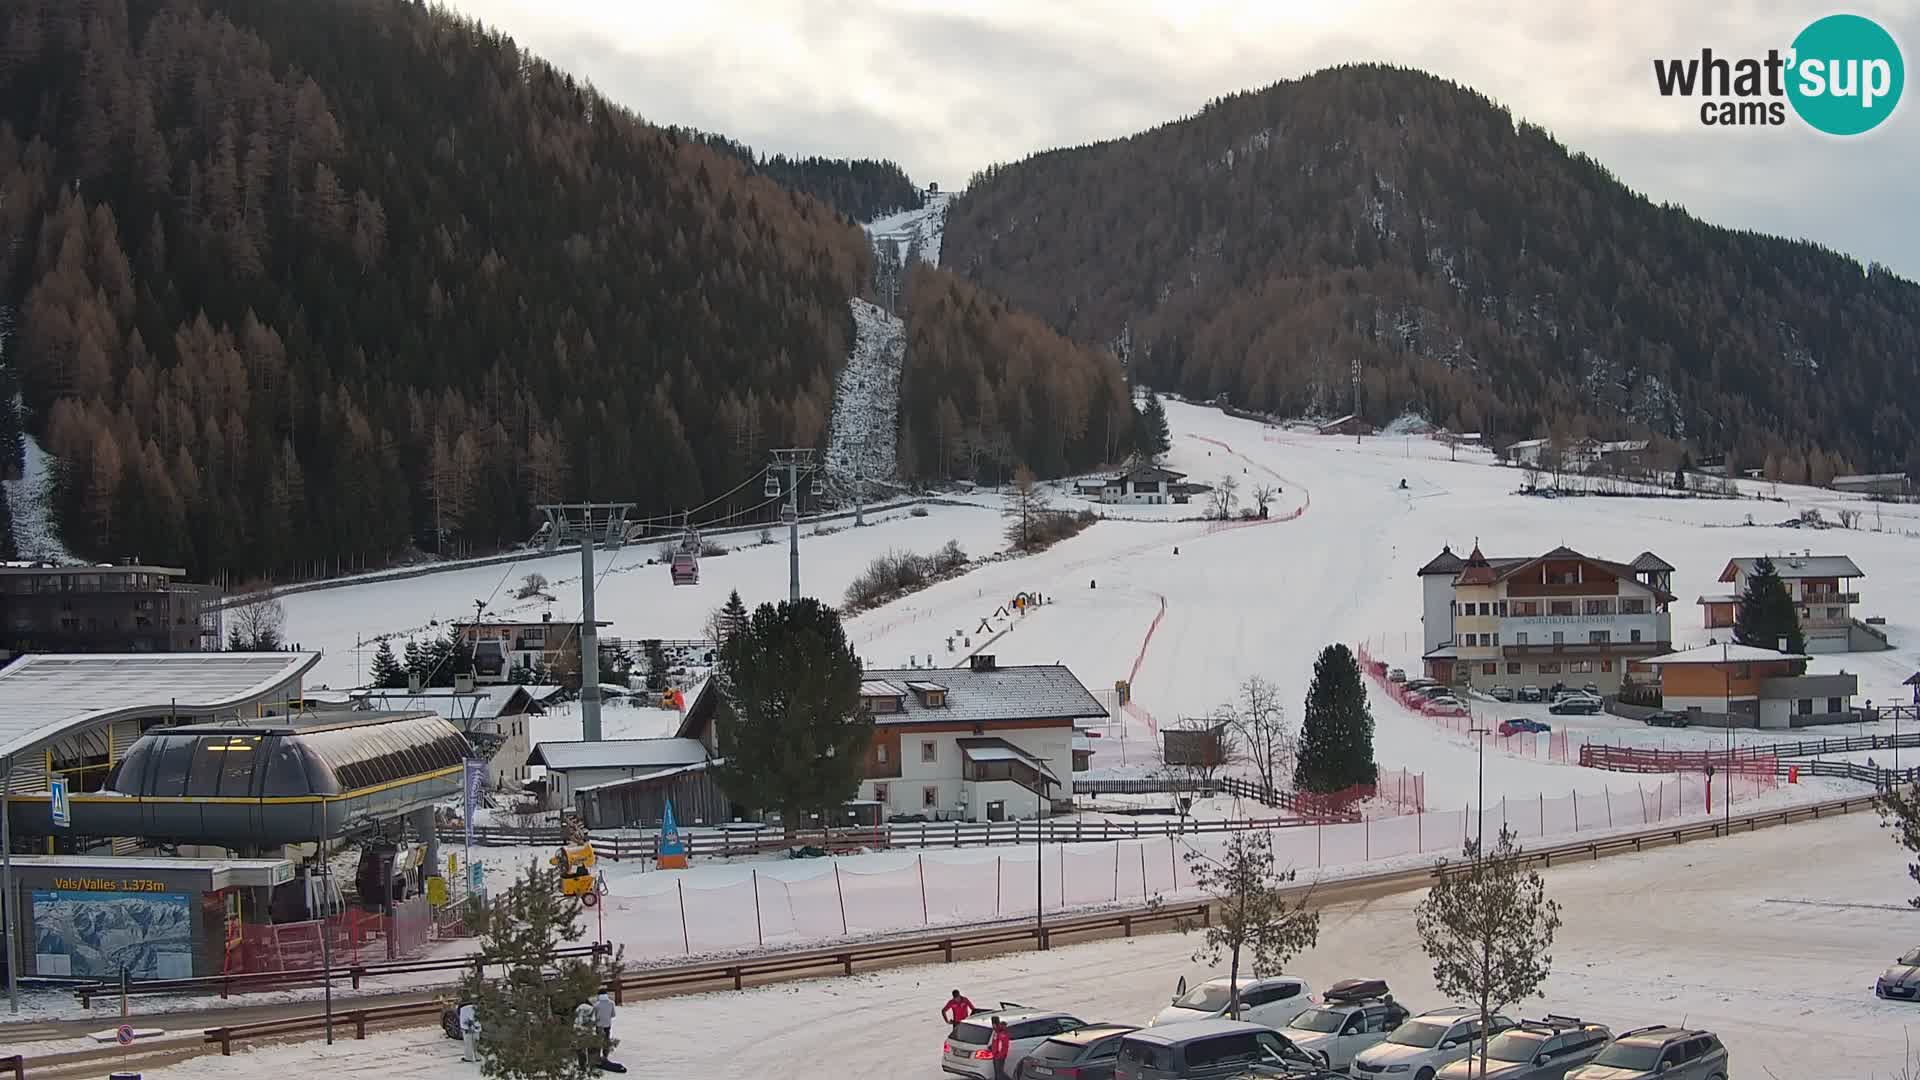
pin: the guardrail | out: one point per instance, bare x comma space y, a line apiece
780, 965
774, 966
17, 1064
252, 982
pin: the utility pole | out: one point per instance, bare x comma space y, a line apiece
795, 461
1481, 809
591, 523
1356, 399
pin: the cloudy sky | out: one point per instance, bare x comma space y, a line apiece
948, 88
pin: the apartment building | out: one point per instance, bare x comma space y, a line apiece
108, 608
1822, 588
1561, 617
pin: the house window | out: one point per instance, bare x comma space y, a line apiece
1520, 638
1561, 607
1500, 608
1606, 665
1599, 637
880, 755
1630, 606
929, 751
1804, 706
1486, 609
1635, 634
1599, 607
1833, 705
1526, 607
1559, 637
1551, 667
1581, 667
930, 797
880, 794
1489, 669
1513, 669
1496, 641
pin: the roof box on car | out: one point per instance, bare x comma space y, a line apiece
1356, 990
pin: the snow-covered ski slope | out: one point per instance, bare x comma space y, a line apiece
1256, 599
915, 231
1744, 936
864, 437
34, 536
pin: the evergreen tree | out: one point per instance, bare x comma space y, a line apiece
418, 663
790, 721
387, 673
526, 1025
1336, 734
733, 617
656, 664
1767, 615
1152, 435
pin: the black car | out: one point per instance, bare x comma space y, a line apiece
1086, 1053
1575, 704
1666, 719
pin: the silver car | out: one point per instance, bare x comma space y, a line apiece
1534, 1050
964, 1052
1902, 980
1669, 1053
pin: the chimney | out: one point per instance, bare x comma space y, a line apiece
546, 616
983, 662
413, 682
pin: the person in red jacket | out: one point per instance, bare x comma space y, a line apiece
956, 1009
999, 1047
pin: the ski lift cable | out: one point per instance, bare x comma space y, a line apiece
670, 516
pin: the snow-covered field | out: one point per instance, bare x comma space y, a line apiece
915, 232
1747, 937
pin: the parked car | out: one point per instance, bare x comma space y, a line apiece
1521, 725
1397, 675
1354, 1014
1214, 1050
1575, 704
1666, 719
1272, 1001
964, 1052
1592, 688
1528, 693
1902, 980
1667, 1052
1421, 1047
1086, 1053
1421, 683
1501, 693
1535, 1050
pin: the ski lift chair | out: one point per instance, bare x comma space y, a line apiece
772, 488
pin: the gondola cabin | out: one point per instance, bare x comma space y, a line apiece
685, 567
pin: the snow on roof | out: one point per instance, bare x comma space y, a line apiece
1526, 444
1647, 560
1038, 692
921, 686
1444, 563
657, 774
1797, 566
1722, 654
880, 688
482, 703
1870, 478
618, 754
1722, 598
45, 696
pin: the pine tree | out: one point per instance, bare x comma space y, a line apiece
526, 1025
791, 722
1152, 435
1336, 733
387, 674
733, 618
1487, 926
1767, 615
417, 662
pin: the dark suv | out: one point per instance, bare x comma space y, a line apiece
1666, 719
1669, 1053
1086, 1054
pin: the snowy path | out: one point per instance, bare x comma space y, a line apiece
1746, 937
864, 439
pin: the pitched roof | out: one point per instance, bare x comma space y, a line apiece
1716, 654
1478, 571
1037, 692
1647, 560
1444, 563
483, 703
44, 696
1147, 472
618, 754
990, 749
1797, 566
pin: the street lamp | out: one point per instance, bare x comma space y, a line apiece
1482, 804
1913, 681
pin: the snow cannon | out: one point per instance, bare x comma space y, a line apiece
576, 872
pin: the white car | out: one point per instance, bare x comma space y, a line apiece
1273, 1001
1420, 1047
1341, 1030
964, 1053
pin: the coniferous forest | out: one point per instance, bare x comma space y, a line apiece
302, 283
1474, 269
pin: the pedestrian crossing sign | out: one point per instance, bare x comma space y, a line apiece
62, 810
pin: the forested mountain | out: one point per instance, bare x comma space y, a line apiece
1476, 271
987, 388
861, 188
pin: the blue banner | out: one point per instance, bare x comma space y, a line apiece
475, 779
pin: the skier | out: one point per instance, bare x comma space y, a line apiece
469, 1032
956, 1009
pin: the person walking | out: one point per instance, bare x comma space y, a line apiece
999, 1047
585, 1034
956, 1009
603, 1022
469, 1020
